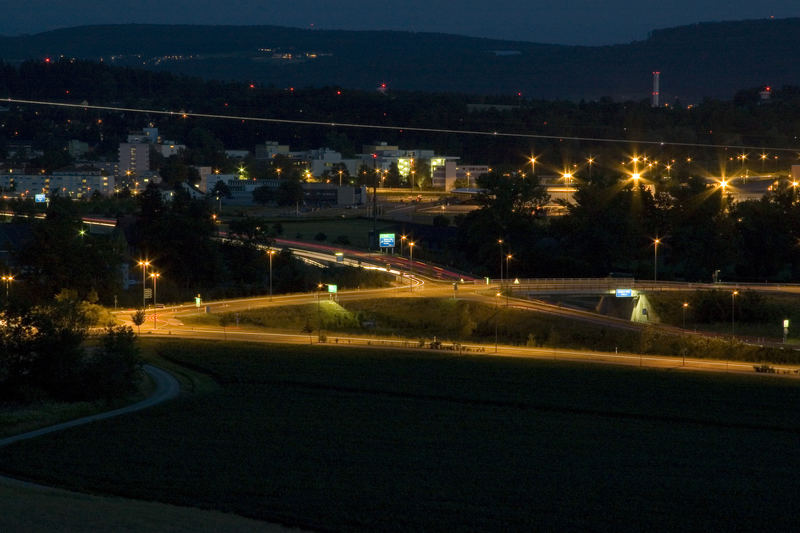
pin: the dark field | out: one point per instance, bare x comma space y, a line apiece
344, 439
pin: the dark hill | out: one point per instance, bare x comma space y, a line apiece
708, 59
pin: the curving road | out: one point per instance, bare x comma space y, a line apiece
166, 388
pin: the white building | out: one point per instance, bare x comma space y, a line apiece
134, 159
70, 183
270, 149
381, 156
169, 148
445, 176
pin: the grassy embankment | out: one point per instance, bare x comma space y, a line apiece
463, 321
757, 315
16, 418
352, 440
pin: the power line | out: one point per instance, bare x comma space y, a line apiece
187, 114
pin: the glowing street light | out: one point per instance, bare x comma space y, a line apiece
684, 307
533, 165
144, 264
496, 318
656, 242
270, 252
411, 265
508, 275
500, 242
733, 313
7, 279
155, 277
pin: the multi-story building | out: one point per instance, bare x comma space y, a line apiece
134, 159
382, 156
450, 174
68, 183
270, 149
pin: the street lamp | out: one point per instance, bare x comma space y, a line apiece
733, 313
656, 242
319, 313
411, 265
7, 279
591, 162
270, 252
684, 306
155, 276
496, 319
402, 242
508, 275
144, 264
533, 166
500, 242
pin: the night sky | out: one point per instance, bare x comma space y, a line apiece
587, 22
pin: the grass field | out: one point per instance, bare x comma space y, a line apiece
353, 440
758, 315
44, 510
355, 229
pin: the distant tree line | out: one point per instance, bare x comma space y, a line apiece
612, 224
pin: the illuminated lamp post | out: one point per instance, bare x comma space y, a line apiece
319, 313
656, 242
508, 274
733, 313
500, 242
7, 279
411, 265
155, 276
496, 319
270, 252
144, 264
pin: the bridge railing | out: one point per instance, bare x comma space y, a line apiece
611, 284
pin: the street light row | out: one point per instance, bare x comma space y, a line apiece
154, 276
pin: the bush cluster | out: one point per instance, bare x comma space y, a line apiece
43, 355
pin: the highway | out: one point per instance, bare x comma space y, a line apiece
431, 281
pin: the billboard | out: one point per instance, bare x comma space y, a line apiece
40, 198
623, 293
386, 240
